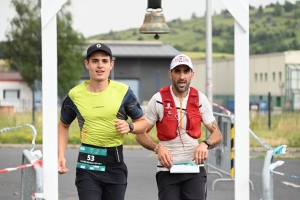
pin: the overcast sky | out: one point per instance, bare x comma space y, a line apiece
92, 17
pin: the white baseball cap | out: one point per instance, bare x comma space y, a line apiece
181, 60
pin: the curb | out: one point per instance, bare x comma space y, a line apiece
289, 149
69, 146
138, 147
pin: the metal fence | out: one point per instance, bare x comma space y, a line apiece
221, 158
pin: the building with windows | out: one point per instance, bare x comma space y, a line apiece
144, 67
15, 95
277, 73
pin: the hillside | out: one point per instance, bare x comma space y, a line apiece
275, 28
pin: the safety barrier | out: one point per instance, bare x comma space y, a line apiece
32, 171
31, 178
221, 158
268, 168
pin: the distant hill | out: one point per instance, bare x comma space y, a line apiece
275, 28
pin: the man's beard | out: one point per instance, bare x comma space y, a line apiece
181, 90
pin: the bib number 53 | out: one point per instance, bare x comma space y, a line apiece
91, 158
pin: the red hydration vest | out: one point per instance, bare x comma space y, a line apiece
168, 126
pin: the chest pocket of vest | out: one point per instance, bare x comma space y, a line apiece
194, 125
194, 117
168, 126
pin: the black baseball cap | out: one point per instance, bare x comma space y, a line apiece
98, 47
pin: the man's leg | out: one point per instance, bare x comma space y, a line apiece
194, 187
87, 186
114, 183
114, 192
168, 185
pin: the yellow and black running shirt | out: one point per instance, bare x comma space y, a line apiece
96, 112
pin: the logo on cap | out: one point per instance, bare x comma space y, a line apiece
181, 60
98, 45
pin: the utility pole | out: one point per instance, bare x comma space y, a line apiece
209, 83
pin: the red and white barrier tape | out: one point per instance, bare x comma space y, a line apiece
224, 109
38, 162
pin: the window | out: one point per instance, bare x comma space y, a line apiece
280, 76
274, 76
11, 94
278, 101
255, 77
261, 77
266, 77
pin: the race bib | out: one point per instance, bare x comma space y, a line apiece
91, 158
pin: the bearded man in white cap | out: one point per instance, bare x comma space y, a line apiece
178, 111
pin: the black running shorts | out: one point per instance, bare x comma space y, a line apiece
181, 186
108, 185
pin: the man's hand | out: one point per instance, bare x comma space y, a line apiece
62, 166
201, 153
165, 157
122, 126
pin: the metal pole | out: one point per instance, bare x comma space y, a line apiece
112, 74
33, 104
269, 110
157, 80
209, 83
267, 177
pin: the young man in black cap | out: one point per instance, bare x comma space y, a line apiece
178, 111
101, 107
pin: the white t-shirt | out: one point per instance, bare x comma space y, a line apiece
183, 146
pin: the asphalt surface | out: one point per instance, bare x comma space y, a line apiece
141, 178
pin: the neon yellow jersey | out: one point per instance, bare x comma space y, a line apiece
97, 112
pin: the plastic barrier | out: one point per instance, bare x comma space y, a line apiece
221, 158
31, 178
32, 171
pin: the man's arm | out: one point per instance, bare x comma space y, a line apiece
215, 138
164, 156
139, 125
63, 136
145, 140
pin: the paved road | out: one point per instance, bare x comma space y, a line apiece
141, 179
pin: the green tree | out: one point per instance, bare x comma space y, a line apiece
260, 9
288, 6
193, 16
24, 49
277, 10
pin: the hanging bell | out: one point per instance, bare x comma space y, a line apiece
154, 23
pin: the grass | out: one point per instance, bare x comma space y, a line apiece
202, 55
285, 129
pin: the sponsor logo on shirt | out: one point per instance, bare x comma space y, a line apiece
98, 107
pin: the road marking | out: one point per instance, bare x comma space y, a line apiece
291, 184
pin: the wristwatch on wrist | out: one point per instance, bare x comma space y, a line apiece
131, 127
207, 143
